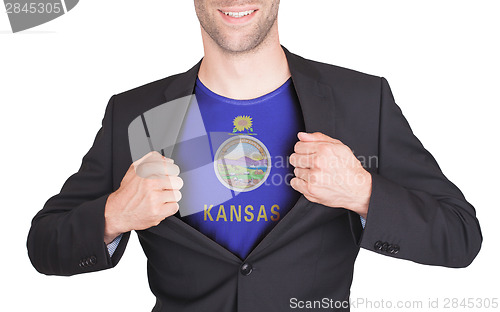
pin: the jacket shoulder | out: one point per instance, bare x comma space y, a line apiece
131, 103
151, 90
339, 75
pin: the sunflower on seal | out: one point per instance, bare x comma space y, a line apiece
242, 123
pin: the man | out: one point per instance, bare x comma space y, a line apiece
267, 243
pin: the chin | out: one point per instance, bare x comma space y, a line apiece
238, 45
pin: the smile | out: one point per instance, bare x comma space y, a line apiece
239, 14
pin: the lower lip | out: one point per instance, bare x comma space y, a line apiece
237, 20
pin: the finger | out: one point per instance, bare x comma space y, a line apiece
157, 157
171, 208
146, 156
168, 160
298, 184
302, 173
301, 186
170, 196
306, 147
152, 156
157, 170
316, 137
311, 176
165, 183
150, 170
301, 160
171, 183
172, 169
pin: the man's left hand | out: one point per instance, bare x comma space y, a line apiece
327, 172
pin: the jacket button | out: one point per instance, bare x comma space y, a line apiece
396, 249
246, 269
390, 249
378, 245
93, 260
384, 246
83, 263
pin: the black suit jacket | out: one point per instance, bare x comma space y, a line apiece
415, 212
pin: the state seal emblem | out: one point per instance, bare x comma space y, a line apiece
242, 163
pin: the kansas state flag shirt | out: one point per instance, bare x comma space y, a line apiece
234, 159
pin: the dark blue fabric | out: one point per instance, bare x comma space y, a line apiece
236, 219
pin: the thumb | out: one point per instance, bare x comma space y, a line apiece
147, 157
316, 137
152, 156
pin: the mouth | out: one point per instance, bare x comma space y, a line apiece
238, 14
234, 16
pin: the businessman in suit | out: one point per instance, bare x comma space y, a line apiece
302, 239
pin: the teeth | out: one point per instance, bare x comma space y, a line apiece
239, 14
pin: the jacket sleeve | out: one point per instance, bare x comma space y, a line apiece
415, 212
67, 236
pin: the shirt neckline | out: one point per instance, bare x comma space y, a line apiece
200, 86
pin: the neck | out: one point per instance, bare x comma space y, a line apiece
245, 75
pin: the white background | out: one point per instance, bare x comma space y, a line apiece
440, 58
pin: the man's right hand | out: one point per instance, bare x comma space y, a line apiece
148, 193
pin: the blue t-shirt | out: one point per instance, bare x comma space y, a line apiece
233, 157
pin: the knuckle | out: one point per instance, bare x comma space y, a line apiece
326, 148
153, 200
313, 177
167, 183
144, 166
154, 210
157, 220
155, 154
172, 169
142, 170
176, 182
156, 198
311, 190
296, 146
324, 161
177, 195
172, 208
317, 161
148, 183
322, 148
345, 150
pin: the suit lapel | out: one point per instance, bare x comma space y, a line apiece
318, 109
183, 84
316, 98
180, 95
